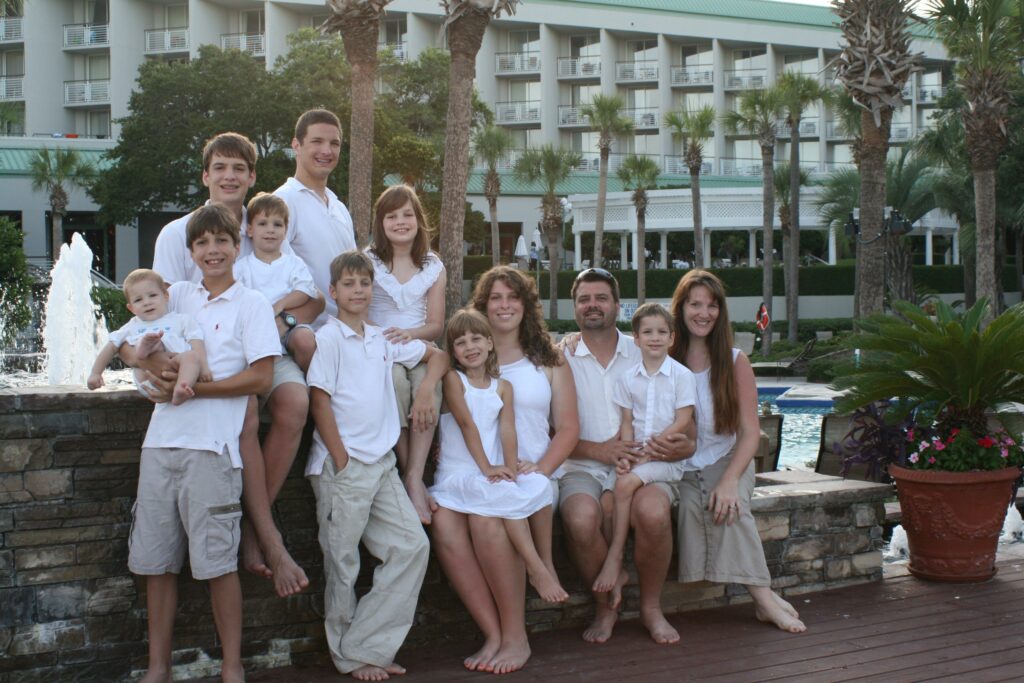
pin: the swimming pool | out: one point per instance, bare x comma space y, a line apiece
801, 428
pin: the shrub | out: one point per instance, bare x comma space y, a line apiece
111, 304
15, 284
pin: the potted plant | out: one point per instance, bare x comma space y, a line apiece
958, 468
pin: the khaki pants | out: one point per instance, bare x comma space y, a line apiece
368, 503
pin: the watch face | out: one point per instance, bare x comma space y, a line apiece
289, 319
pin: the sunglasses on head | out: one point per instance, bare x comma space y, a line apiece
598, 272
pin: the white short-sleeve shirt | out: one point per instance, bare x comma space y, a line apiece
599, 416
317, 232
171, 255
402, 304
355, 371
238, 330
178, 330
277, 279
655, 398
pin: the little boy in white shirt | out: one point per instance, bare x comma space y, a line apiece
656, 397
352, 469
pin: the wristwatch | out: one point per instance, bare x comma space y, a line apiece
288, 319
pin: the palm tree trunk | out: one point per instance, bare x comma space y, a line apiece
465, 33
1018, 254
641, 256
57, 232
871, 255
793, 260
984, 238
553, 232
492, 205
768, 239
360, 40
602, 198
698, 221
970, 278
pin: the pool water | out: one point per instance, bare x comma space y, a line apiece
801, 433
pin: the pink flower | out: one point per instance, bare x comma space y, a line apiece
1004, 453
931, 459
1009, 442
938, 445
914, 457
910, 434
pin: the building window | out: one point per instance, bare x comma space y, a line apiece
251, 22
524, 41
97, 124
176, 16
97, 12
642, 50
696, 56
585, 46
393, 31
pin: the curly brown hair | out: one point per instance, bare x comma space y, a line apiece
534, 339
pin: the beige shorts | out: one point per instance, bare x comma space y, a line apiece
186, 499
723, 553
407, 382
286, 370
594, 483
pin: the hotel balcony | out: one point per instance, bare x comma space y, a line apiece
517, 64
930, 94
571, 116
254, 44
675, 164
161, 41
636, 72
834, 131
808, 128
10, 30
901, 132
86, 93
515, 113
579, 67
683, 76
397, 50
646, 118
740, 166
833, 166
745, 79
85, 37
12, 88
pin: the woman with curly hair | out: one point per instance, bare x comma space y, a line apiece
475, 551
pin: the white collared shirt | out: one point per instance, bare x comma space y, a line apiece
599, 416
355, 371
277, 279
317, 232
655, 398
238, 330
171, 255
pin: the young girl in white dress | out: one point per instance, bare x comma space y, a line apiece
408, 302
477, 470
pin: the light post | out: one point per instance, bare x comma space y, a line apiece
893, 223
566, 210
538, 243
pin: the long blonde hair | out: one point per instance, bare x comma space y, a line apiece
719, 343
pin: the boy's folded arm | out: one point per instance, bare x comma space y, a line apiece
255, 379
291, 300
327, 427
307, 311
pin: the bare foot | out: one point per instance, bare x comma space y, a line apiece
157, 675
368, 672
546, 584
251, 553
289, 578
610, 573
661, 631
615, 595
778, 615
421, 500
511, 657
785, 605
600, 630
480, 658
233, 674
182, 393
395, 669
149, 344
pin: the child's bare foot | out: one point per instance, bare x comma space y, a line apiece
149, 344
182, 393
546, 584
252, 555
369, 672
232, 674
785, 605
157, 675
421, 500
783, 619
479, 659
661, 631
511, 657
600, 630
289, 578
609, 575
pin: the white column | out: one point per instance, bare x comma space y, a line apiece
623, 250
752, 248
707, 250
663, 248
956, 248
928, 247
548, 85
638, 252
608, 59
577, 256
831, 246
718, 96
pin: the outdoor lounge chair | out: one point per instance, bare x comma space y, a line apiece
787, 363
767, 458
833, 429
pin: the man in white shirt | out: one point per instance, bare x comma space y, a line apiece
599, 358
319, 225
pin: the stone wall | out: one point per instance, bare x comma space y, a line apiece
69, 609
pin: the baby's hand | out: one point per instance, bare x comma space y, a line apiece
397, 335
623, 466
95, 381
498, 473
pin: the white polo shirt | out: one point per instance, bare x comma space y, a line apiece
238, 330
599, 416
171, 255
356, 372
277, 279
655, 398
317, 232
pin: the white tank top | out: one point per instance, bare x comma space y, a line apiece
531, 392
484, 406
711, 447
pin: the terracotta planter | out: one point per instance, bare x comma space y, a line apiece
953, 520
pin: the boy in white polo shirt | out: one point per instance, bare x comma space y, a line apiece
352, 469
190, 481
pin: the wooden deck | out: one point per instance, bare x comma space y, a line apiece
901, 629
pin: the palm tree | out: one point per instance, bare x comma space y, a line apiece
874, 65
798, 92
984, 37
694, 127
790, 251
758, 115
52, 171
640, 174
605, 114
358, 21
549, 166
491, 145
465, 24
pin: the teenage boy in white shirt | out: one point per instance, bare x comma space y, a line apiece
190, 483
352, 469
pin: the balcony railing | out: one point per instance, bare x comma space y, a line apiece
517, 63
740, 166
571, 115
10, 30
253, 44
930, 94
808, 128
907, 91
642, 118
676, 165
87, 92
745, 79
833, 166
692, 75
636, 72
12, 88
517, 112
900, 131
834, 131
397, 49
579, 67
86, 35
164, 40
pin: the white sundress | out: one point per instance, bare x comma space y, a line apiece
459, 483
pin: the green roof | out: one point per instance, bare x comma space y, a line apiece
15, 161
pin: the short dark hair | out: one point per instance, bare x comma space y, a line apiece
231, 145
214, 218
352, 261
268, 205
314, 116
651, 310
595, 275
